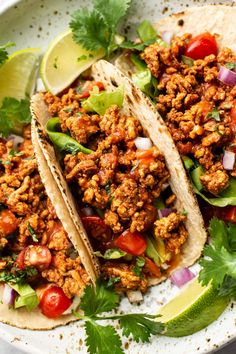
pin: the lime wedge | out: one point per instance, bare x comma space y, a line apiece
18, 74
194, 308
64, 61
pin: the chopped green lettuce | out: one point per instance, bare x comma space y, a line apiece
151, 251
27, 296
146, 31
100, 102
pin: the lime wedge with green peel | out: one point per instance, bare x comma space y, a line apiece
18, 74
194, 308
64, 61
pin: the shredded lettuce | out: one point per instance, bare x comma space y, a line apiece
27, 296
99, 102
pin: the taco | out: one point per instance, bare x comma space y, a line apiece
192, 83
42, 275
126, 177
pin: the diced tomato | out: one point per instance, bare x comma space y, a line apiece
34, 256
8, 222
96, 227
131, 242
88, 86
54, 302
151, 268
201, 46
145, 156
229, 214
233, 117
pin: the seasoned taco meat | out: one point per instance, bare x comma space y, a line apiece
121, 184
196, 106
28, 224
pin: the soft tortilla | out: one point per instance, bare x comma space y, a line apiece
136, 104
217, 19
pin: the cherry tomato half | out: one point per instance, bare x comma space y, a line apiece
131, 242
151, 268
88, 86
229, 214
96, 227
34, 256
54, 302
8, 222
201, 46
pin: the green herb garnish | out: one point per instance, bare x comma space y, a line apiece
137, 270
214, 114
96, 29
32, 233
4, 53
230, 66
105, 339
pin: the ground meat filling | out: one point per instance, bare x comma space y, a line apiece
23, 197
187, 96
117, 179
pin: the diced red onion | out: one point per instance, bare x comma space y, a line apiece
134, 296
167, 36
162, 213
87, 211
228, 160
73, 306
228, 77
181, 276
143, 143
16, 140
9, 295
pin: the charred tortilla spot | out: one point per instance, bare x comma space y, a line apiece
114, 83
135, 94
181, 22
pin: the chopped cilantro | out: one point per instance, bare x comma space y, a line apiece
112, 281
214, 114
230, 66
137, 270
32, 233
68, 110
17, 276
15, 153
186, 60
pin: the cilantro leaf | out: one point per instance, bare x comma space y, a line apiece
96, 29
99, 299
14, 115
214, 114
140, 326
231, 229
219, 264
219, 234
32, 233
89, 30
4, 53
102, 339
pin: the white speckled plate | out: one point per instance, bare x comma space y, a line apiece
34, 23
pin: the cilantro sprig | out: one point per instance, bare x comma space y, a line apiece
14, 114
4, 53
105, 339
96, 29
219, 264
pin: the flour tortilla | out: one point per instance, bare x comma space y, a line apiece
35, 319
136, 104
